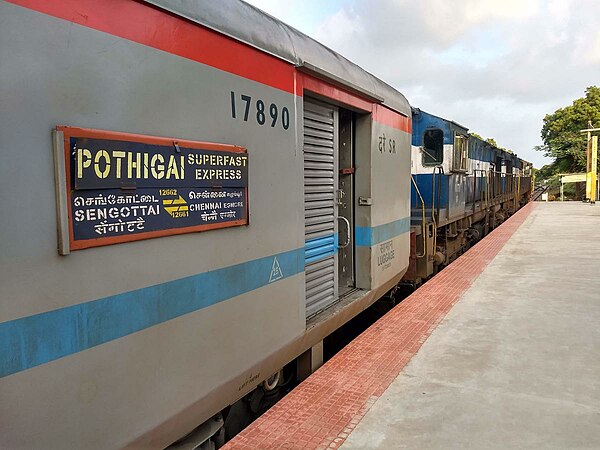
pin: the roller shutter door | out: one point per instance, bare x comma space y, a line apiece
320, 181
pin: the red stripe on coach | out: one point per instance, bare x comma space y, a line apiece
381, 113
391, 118
161, 30
325, 89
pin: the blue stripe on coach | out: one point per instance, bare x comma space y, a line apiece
38, 339
368, 237
41, 338
320, 248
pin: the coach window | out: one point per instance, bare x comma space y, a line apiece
433, 147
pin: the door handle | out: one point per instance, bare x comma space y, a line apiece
348, 230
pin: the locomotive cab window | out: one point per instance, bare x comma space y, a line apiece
433, 147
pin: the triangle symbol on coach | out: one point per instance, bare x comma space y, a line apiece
276, 273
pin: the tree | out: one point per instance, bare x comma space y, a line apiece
492, 141
561, 133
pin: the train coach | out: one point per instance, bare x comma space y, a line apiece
462, 188
195, 195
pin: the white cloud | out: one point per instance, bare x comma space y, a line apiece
594, 52
305, 15
560, 10
451, 20
497, 66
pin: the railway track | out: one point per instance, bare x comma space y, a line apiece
537, 193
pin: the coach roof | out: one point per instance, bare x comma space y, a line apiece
254, 27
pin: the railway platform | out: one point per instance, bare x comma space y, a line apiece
499, 350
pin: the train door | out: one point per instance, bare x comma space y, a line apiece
320, 206
345, 201
328, 204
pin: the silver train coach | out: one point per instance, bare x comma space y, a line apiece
204, 195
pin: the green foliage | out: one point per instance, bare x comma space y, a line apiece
546, 172
561, 134
492, 141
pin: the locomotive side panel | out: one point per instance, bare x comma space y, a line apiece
467, 187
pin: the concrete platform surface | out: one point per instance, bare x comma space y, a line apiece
516, 362
499, 350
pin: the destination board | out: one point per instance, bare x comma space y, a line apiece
124, 187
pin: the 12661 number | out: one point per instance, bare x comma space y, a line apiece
246, 108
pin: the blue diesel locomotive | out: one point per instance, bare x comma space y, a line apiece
462, 188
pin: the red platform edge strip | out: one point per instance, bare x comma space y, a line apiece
153, 27
324, 409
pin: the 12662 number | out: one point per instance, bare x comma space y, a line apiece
247, 108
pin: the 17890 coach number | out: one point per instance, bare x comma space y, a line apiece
259, 110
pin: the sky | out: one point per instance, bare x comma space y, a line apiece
495, 66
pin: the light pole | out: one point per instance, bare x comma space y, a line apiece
591, 188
